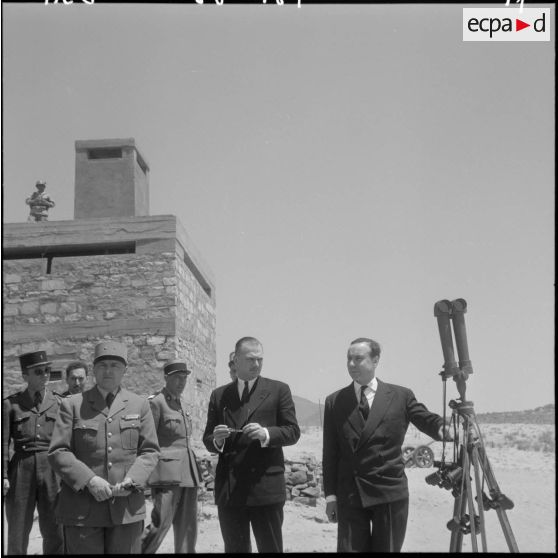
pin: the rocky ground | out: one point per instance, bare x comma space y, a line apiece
526, 476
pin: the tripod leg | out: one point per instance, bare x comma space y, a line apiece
459, 506
475, 459
456, 540
497, 496
467, 475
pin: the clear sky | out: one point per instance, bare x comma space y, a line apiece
339, 167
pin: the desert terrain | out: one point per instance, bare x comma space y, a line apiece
522, 458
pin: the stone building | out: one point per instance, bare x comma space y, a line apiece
112, 272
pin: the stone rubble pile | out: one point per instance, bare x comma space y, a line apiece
303, 479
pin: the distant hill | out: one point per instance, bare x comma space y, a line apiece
540, 415
308, 414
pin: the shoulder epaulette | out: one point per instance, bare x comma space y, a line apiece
154, 394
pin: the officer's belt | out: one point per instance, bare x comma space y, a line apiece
28, 449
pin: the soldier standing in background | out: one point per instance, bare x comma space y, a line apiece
76, 377
176, 478
39, 203
28, 419
232, 369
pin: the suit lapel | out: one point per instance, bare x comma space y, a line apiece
48, 401
260, 393
97, 401
381, 403
231, 414
350, 416
119, 403
26, 401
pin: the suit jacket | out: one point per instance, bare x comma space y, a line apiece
362, 462
177, 463
247, 474
29, 429
90, 440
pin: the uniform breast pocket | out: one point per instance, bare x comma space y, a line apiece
174, 424
21, 425
85, 435
50, 419
129, 433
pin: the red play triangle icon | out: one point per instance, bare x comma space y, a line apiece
519, 25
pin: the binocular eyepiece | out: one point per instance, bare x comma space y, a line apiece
448, 477
453, 313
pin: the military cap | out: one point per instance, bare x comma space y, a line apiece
111, 349
175, 366
40, 183
36, 358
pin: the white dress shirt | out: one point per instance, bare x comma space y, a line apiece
370, 391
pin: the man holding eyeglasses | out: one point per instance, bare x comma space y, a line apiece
28, 419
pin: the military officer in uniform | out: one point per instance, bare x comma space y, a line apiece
176, 478
28, 419
104, 447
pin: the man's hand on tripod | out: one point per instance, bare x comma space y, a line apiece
445, 434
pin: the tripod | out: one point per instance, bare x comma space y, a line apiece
470, 459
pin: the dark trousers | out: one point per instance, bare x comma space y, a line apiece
266, 524
32, 482
176, 506
120, 539
378, 528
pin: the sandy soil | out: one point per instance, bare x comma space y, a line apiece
526, 477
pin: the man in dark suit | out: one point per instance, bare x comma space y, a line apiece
248, 423
175, 481
363, 470
104, 447
28, 420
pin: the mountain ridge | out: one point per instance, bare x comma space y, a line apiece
310, 414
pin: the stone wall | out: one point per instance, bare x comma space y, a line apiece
152, 302
303, 477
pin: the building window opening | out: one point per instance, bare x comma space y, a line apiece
105, 153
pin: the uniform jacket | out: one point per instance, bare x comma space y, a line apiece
89, 440
177, 463
29, 429
362, 462
246, 473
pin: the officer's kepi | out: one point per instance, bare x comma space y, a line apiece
175, 366
111, 350
36, 358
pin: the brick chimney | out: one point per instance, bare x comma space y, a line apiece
112, 179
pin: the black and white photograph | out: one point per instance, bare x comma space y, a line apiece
278, 276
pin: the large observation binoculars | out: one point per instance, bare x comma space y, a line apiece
453, 313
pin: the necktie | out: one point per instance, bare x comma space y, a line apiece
245, 393
363, 405
110, 399
37, 399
